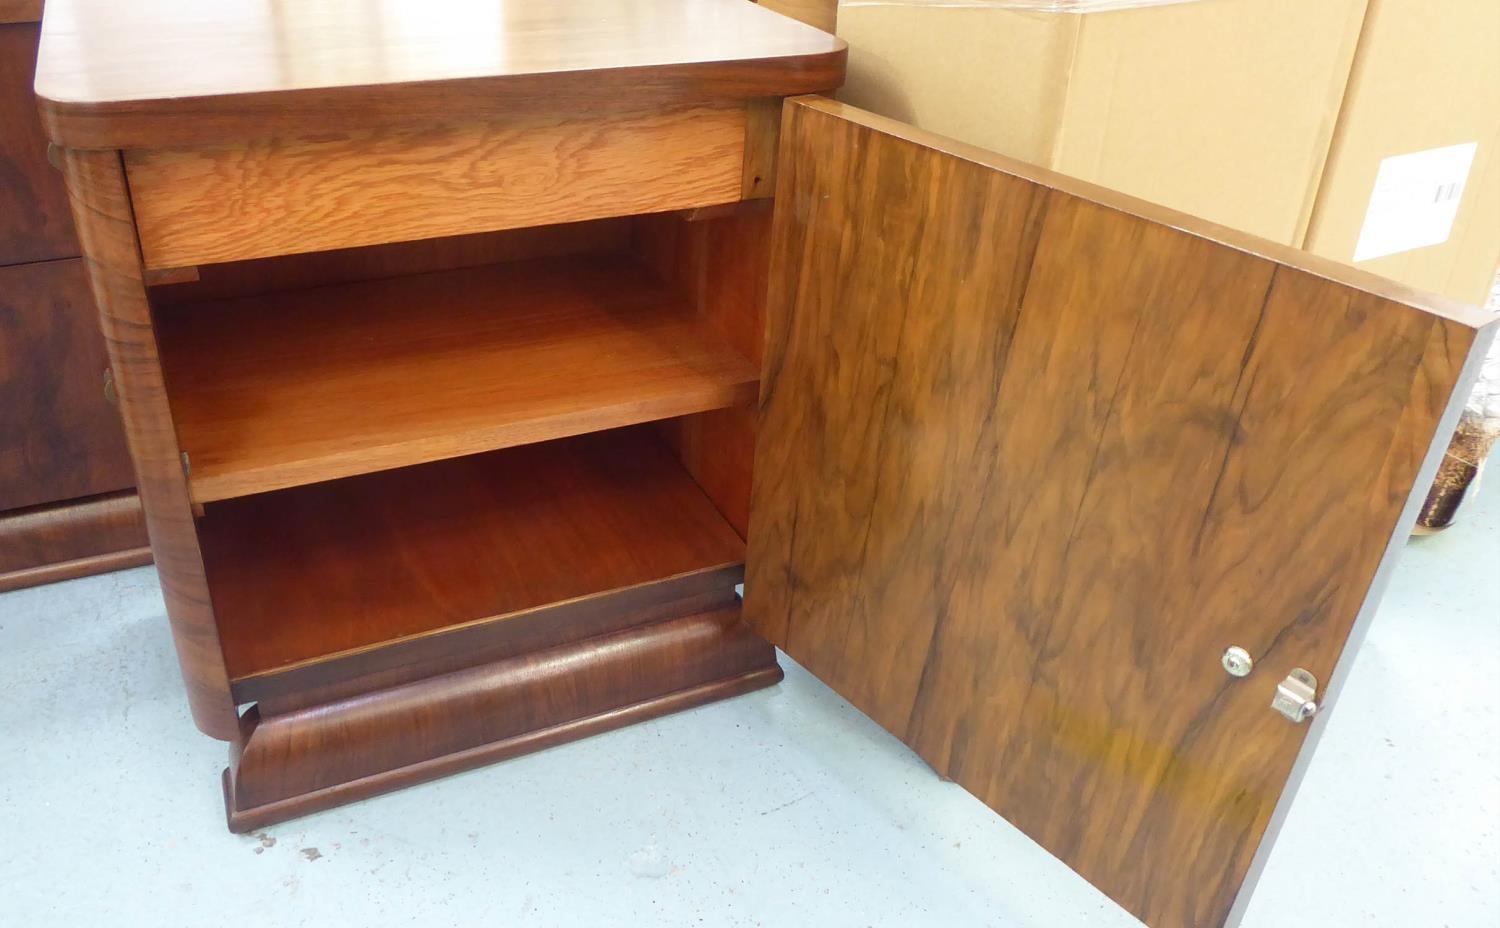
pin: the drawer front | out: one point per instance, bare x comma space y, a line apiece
35, 224
59, 437
284, 197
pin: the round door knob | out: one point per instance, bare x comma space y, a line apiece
1237, 662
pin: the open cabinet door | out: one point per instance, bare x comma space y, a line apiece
1034, 455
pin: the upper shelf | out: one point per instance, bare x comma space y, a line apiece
298, 387
178, 72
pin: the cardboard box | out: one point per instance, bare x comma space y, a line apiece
1412, 186
1220, 108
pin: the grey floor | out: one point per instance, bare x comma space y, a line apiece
782, 808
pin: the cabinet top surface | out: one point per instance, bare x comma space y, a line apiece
107, 69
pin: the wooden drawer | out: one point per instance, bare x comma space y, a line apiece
35, 224
201, 206
59, 437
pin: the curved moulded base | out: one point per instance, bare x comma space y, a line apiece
285, 766
77, 538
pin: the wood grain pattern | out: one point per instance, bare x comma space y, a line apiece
1015, 500
720, 267
168, 276
101, 210
34, 221
373, 262
20, 11
762, 138
469, 644
45, 544
62, 451
177, 72
59, 437
316, 571
199, 206
272, 391
326, 755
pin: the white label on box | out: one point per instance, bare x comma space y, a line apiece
1415, 200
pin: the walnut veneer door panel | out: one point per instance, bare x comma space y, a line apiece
59, 437
1033, 455
35, 224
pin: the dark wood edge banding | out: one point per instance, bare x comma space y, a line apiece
482, 641
78, 567
198, 121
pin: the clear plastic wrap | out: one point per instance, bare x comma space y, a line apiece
1031, 6
1477, 434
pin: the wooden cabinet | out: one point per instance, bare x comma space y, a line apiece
65, 478
35, 224
463, 421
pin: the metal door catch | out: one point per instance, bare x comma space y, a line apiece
1297, 696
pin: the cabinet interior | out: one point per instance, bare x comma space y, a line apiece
413, 457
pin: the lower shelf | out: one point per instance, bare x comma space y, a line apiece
371, 575
293, 764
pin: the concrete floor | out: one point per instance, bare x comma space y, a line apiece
782, 808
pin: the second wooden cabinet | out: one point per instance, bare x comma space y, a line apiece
66, 502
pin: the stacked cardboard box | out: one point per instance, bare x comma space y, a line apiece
1412, 186
1270, 116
